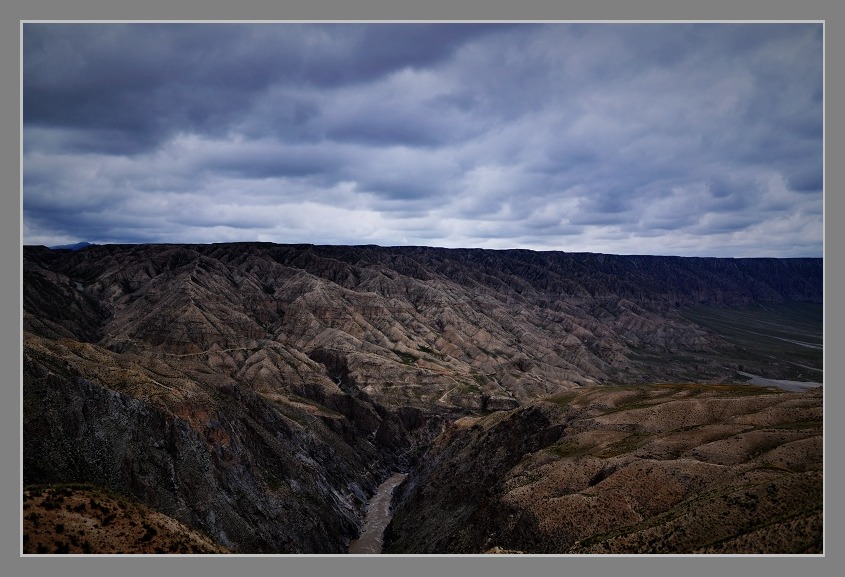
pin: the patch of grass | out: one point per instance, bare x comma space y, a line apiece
406, 358
563, 399
469, 388
569, 449
627, 445
639, 387
774, 338
433, 356
733, 389
640, 399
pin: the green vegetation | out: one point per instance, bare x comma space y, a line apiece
627, 445
569, 449
406, 358
468, 388
563, 399
732, 389
432, 354
787, 337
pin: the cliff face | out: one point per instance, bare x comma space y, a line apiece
260, 392
254, 476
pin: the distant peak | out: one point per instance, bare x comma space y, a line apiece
75, 246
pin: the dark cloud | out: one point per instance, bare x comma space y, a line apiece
654, 138
151, 80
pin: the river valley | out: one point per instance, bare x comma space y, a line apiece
378, 516
540, 402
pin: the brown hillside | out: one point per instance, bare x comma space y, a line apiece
80, 519
657, 469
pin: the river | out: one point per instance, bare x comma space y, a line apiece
378, 516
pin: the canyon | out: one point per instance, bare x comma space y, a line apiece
258, 394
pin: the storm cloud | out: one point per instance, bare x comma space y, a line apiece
691, 139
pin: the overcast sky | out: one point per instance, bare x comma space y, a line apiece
682, 139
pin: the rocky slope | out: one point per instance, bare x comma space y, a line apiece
259, 472
81, 519
623, 470
259, 393
408, 326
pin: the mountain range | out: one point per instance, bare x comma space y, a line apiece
258, 393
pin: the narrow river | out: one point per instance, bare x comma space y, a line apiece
378, 516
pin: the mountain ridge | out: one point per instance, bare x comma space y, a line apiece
351, 298
292, 379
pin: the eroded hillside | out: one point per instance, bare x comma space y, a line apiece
259, 393
411, 326
624, 470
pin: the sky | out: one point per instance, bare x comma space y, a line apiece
688, 139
